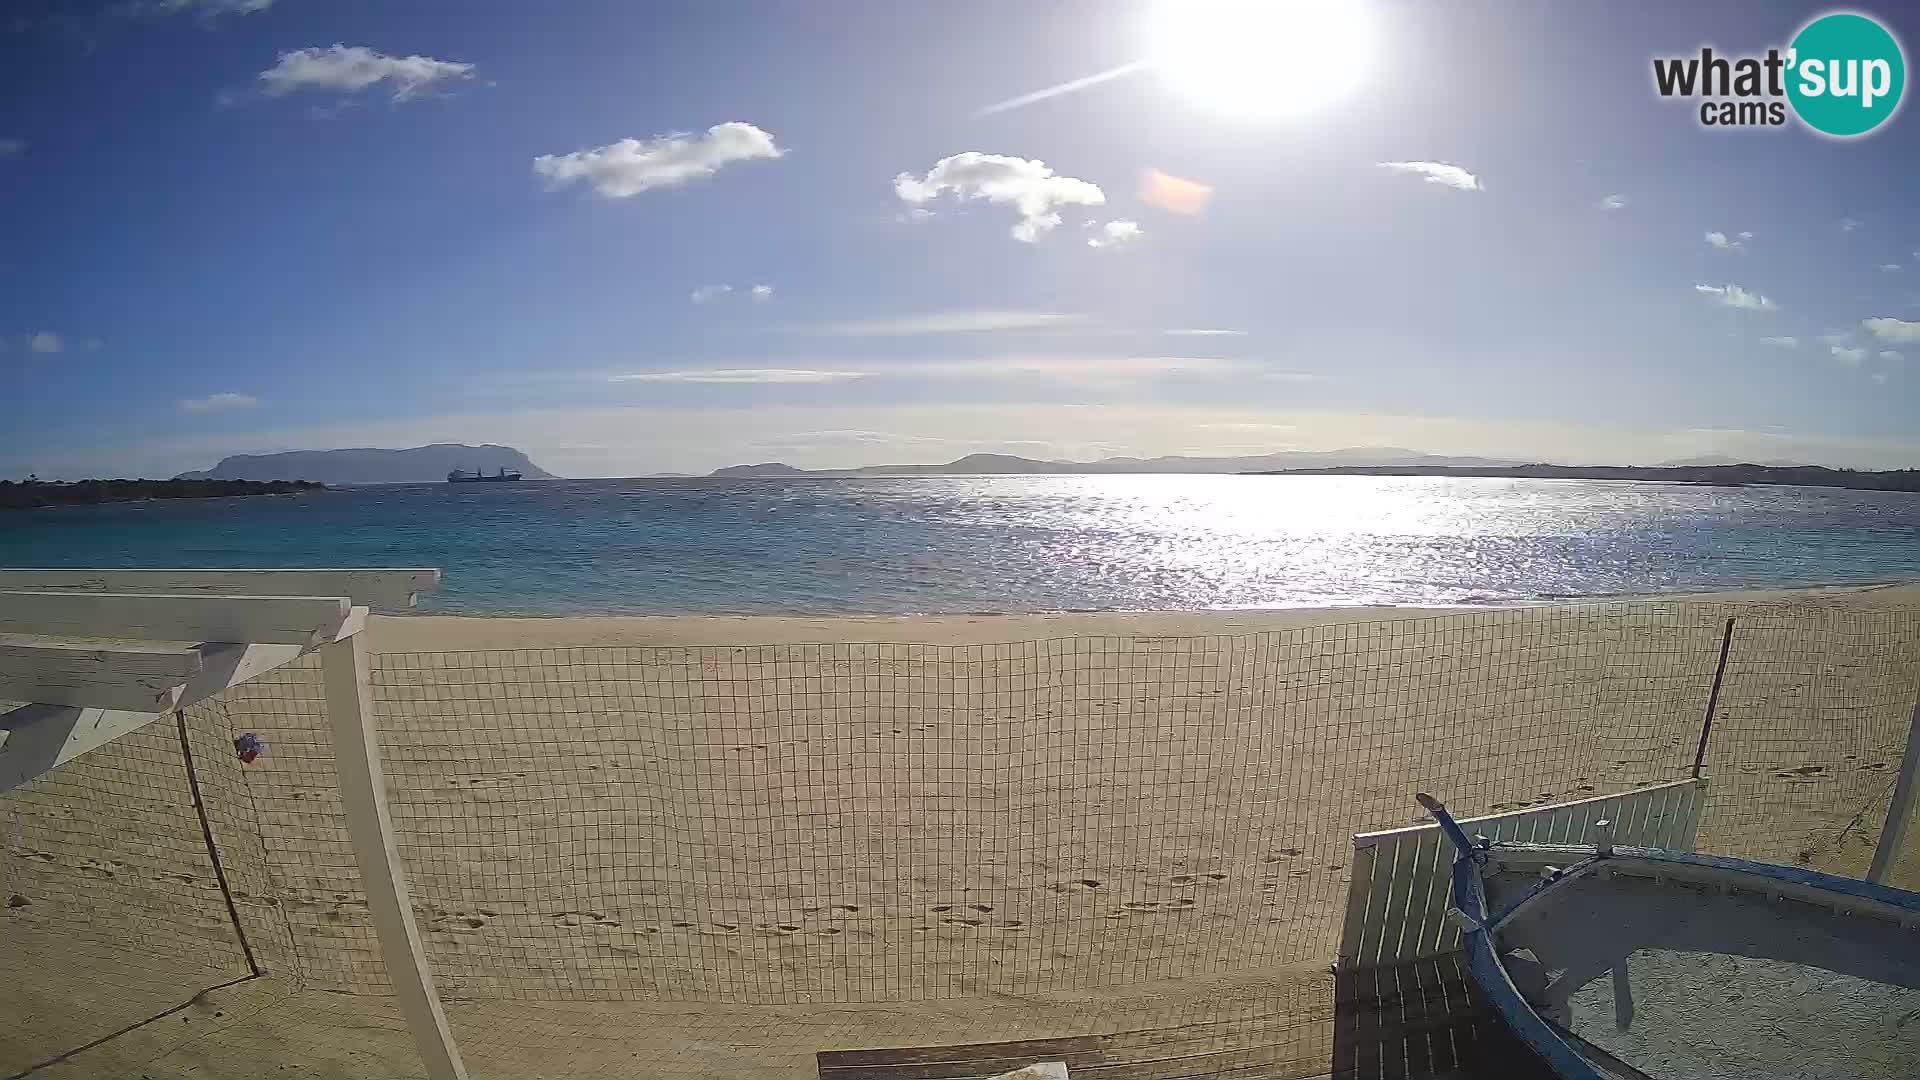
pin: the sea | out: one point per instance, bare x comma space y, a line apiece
952, 544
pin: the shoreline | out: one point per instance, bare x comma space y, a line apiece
433, 632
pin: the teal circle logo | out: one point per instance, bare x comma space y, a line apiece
1846, 74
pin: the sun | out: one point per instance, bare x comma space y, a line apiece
1261, 58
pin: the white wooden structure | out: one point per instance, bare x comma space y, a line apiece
1397, 899
96, 654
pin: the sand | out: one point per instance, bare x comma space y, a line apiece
712, 845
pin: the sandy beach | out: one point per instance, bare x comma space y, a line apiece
725, 842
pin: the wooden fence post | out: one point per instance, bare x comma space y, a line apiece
363, 790
1900, 810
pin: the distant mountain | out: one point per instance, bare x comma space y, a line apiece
1005, 464
420, 464
1706, 460
768, 468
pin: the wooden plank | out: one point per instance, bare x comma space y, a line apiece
344, 671
152, 694
295, 620
23, 656
379, 589
37, 737
1900, 810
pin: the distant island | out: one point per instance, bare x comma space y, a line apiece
31, 494
1718, 475
1008, 464
366, 465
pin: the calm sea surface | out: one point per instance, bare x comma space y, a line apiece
1026, 543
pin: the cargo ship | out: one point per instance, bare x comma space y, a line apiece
461, 476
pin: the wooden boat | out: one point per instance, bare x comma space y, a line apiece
1540, 923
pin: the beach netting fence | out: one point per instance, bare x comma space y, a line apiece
888, 822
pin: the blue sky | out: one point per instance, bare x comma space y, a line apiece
225, 234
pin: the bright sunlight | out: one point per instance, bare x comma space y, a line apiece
1262, 58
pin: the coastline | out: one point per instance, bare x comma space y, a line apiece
428, 633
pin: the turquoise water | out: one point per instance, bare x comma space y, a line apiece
1016, 543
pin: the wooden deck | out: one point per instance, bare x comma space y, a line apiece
1414, 1021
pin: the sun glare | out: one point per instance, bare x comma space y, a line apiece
1261, 58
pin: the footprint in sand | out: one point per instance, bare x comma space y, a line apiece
1804, 772
583, 918
1076, 885
1282, 853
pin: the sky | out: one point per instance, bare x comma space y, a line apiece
636, 238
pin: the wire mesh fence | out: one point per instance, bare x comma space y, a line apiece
892, 822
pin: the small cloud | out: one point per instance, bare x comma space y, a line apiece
626, 168
12, 147
1035, 191
741, 375
94, 344
1849, 357
46, 341
914, 215
1891, 357
1729, 243
1848, 224
1836, 337
1781, 342
1116, 234
710, 292
761, 293
1437, 172
952, 322
1174, 194
205, 9
348, 69
1614, 202
1734, 296
1878, 376
1891, 268
1204, 332
214, 403
1893, 330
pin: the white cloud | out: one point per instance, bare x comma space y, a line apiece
1781, 342
1437, 172
206, 9
761, 293
348, 69
12, 147
626, 168
710, 292
952, 322
741, 375
1729, 243
1891, 357
1116, 234
46, 341
1890, 268
1030, 187
1893, 329
1837, 337
1734, 296
1204, 332
214, 403
1849, 357
1071, 368
1613, 202
1848, 224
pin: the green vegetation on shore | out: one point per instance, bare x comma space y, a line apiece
31, 493
1721, 475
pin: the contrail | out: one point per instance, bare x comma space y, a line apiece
1063, 88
